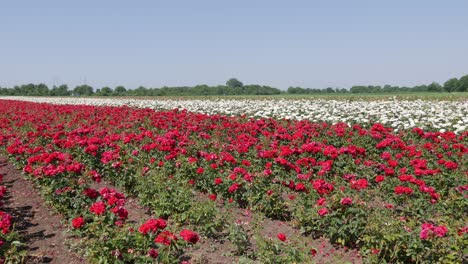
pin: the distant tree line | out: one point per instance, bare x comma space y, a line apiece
232, 87
452, 85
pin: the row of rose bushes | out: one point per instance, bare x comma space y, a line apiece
99, 220
397, 197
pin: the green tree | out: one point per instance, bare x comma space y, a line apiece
434, 87
105, 91
83, 90
329, 90
141, 91
42, 90
61, 90
234, 83
463, 84
451, 85
120, 91
359, 89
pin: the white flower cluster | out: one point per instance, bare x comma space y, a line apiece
438, 115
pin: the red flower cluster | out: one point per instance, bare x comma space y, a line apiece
429, 230
189, 236
91, 193
98, 208
165, 238
322, 187
359, 184
152, 225
403, 190
346, 201
323, 211
78, 222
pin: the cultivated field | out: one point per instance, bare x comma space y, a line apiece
247, 180
440, 115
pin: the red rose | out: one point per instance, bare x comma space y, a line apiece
300, 187
403, 190
379, 178
281, 237
346, 201
189, 236
321, 201
233, 187
152, 225
165, 238
98, 208
359, 184
392, 163
153, 253
405, 177
322, 187
121, 212
440, 231
91, 193
246, 163
78, 222
218, 181
323, 211
451, 165
212, 197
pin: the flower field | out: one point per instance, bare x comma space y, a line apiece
385, 180
397, 114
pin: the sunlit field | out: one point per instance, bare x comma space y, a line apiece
256, 181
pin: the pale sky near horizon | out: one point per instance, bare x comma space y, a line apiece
315, 44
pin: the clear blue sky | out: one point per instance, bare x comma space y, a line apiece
279, 43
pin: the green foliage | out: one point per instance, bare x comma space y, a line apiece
240, 238
234, 83
170, 198
120, 91
451, 85
61, 90
83, 90
463, 84
11, 248
105, 91
272, 252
